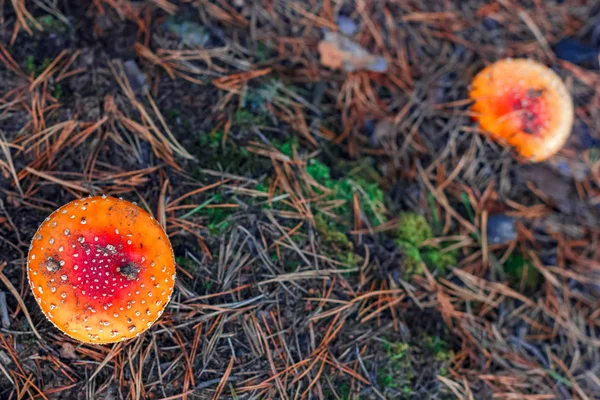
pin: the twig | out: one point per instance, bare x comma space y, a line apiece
4, 311
14, 292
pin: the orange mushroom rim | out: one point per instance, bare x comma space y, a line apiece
101, 269
525, 104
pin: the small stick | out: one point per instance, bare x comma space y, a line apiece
14, 292
4, 311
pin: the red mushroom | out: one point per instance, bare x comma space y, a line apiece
102, 269
525, 104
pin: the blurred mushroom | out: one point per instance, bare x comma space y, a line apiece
525, 104
102, 269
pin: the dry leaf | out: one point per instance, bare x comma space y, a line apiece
339, 52
68, 351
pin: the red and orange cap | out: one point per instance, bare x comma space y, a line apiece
102, 269
525, 104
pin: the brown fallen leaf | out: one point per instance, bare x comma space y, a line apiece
68, 351
340, 52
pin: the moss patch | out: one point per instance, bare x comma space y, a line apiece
52, 24
520, 271
330, 234
413, 229
217, 218
407, 366
397, 373
212, 150
245, 118
370, 194
412, 232
441, 353
332, 226
286, 147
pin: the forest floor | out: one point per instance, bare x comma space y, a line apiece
340, 233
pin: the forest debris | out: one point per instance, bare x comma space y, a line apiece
4, 311
557, 223
190, 33
135, 76
385, 129
340, 52
501, 229
346, 25
5, 358
557, 188
68, 351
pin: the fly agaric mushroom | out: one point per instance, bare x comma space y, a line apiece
102, 269
525, 104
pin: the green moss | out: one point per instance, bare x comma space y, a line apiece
187, 264
320, 173
342, 190
287, 147
437, 226
330, 234
29, 65
350, 259
396, 351
45, 64
245, 118
413, 229
189, 32
397, 373
211, 140
333, 229
412, 260
373, 198
438, 260
58, 91
467, 203
342, 391
261, 187
336, 242
211, 151
52, 24
441, 354
290, 265
264, 51
370, 194
173, 113
217, 217
434, 259
516, 266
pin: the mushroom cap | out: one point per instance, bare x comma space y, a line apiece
102, 269
525, 104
